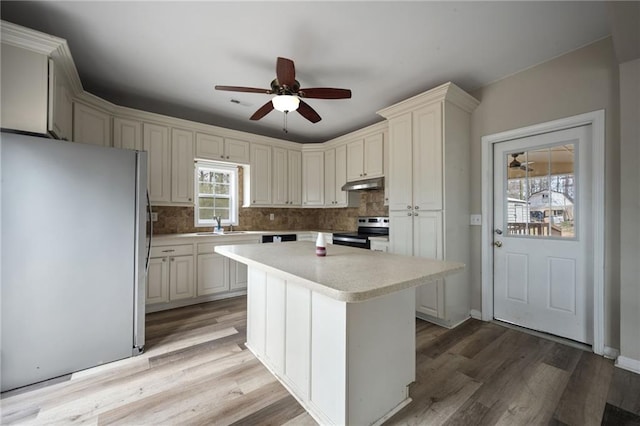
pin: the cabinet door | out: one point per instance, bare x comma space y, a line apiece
280, 175
260, 175
427, 235
374, 156
60, 118
400, 180
181, 166
181, 282
237, 275
430, 299
91, 125
157, 281
427, 157
342, 197
236, 150
330, 178
401, 232
312, 179
355, 160
127, 134
156, 143
294, 163
209, 147
211, 274
24, 79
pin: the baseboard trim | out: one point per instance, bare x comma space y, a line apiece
611, 353
476, 314
629, 364
440, 322
157, 307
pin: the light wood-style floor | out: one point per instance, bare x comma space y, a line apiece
196, 370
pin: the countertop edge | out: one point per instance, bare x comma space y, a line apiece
344, 296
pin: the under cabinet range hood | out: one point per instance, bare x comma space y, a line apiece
365, 184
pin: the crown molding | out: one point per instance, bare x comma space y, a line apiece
445, 92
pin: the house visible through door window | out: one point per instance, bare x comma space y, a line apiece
216, 189
541, 192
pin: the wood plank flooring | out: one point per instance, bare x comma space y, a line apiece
196, 371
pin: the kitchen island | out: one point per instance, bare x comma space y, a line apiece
337, 331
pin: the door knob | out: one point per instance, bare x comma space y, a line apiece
497, 243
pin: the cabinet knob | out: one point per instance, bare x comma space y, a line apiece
417, 207
254, 201
364, 174
408, 213
227, 157
172, 259
408, 207
164, 259
222, 156
415, 213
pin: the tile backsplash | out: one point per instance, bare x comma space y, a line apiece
179, 220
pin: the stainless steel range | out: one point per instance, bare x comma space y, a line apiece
367, 227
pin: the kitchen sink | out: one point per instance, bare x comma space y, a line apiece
225, 233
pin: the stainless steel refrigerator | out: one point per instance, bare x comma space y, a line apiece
74, 252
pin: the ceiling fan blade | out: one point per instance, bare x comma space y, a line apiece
244, 89
325, 93
307, 112
285, 72
262, 111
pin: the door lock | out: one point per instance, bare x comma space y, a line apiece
497, 243
499, 231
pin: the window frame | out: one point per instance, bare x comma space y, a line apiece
220, 167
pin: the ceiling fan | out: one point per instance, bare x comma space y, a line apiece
515, 164
288, 93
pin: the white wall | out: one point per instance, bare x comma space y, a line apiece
630, 213
581, 81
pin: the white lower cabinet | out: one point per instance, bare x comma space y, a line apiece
171, 274
219, 274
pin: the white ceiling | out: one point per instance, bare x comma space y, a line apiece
166, 57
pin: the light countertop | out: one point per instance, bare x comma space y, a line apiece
347, 274
187, 237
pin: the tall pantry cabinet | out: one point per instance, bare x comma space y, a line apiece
429, 137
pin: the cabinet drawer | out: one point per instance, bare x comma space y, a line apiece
163, 251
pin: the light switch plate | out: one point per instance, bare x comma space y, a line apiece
154, 217
272, 216
475, 220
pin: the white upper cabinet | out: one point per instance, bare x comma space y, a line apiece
127, 134
280, 175
181, 166
365, 158
91, 125
312, 179
260, 189
212, 147
335, 176
156, 143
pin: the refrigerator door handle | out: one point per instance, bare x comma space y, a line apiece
150, 233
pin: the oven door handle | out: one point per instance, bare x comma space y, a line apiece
351, 240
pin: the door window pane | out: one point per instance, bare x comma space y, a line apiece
541, 192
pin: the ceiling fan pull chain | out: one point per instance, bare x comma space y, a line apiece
285, 122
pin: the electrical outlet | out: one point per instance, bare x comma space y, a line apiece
475, 220
272, 216
154, 217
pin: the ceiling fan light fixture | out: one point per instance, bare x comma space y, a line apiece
285, 103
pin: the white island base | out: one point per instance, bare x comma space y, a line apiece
337, 331
346, 363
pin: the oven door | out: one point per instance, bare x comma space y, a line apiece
351, 241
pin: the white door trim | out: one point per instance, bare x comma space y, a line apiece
596, 120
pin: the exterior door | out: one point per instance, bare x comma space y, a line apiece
542, 228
